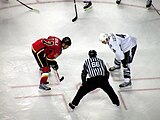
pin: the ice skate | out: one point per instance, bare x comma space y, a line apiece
149, 3
117, 104
44, 87
87, 6
125, 84
71, 106
118, 1
114, 68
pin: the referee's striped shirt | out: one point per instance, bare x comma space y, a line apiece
94, 67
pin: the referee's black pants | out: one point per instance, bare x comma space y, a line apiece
93, 83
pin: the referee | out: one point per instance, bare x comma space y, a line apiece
98, 78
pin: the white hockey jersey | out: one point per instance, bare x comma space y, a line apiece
121, 43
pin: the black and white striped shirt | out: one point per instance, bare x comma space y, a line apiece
94, 67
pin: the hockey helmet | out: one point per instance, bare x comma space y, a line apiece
67, 41
103, 36
92, 53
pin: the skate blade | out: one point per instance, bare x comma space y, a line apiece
44, 91
88, 8
71, 110
127, 87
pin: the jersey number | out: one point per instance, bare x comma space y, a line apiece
50, 43
121, 35
95, 64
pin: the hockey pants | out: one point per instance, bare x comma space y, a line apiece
93, 83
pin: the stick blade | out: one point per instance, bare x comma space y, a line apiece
74, 19
36, 10
61, 79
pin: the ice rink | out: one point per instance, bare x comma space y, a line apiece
20, 97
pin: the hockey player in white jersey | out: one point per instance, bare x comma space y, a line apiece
124, 46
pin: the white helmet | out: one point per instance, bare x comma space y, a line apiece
103, 36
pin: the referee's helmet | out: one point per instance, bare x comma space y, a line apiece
92, 53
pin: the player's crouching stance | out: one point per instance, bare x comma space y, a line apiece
98, 78
45, 52
124, 46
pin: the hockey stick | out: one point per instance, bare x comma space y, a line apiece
60, 79
28, 6
155, 9
75, 18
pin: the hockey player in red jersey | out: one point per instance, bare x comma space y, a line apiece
45, 52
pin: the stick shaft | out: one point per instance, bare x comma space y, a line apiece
57, 74
75, 6
25, 5
155, 9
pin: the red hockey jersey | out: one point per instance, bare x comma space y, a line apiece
52, 47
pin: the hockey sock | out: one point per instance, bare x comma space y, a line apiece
44, 78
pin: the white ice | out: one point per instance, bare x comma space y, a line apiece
20, 98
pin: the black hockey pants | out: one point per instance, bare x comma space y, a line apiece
93, 83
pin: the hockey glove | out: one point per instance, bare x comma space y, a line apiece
55, 67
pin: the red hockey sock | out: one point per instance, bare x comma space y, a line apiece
44, 78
